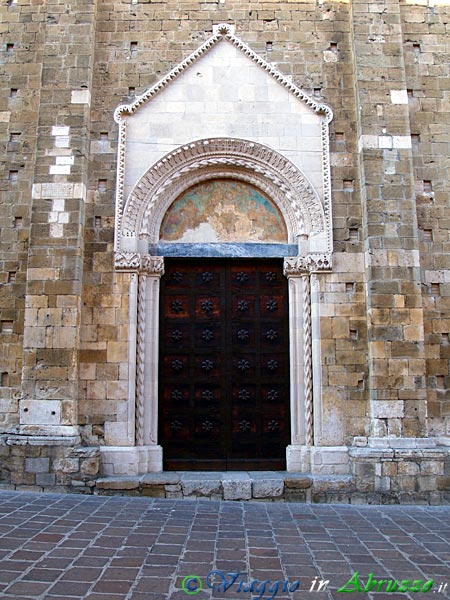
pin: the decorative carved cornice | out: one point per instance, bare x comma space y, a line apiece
311, 263
152, 265
135, 262
127, 261
222, 31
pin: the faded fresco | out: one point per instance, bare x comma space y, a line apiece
223, 210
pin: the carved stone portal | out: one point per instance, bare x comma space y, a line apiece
208, 154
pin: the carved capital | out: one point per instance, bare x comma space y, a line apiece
295, 265
152, 265
311, 263
127, 261
320, 262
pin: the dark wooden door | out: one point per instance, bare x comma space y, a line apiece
224, 366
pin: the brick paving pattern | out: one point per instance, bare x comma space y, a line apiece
126, 548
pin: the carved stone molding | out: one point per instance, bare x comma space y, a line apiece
311, 263
140, 366
222, 157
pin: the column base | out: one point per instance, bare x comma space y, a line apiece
318, 460
298, 459
130, 460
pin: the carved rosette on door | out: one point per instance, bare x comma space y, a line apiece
224, 367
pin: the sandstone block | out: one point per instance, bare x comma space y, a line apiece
89, 466
154, 491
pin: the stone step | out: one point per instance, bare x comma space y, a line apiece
234, 485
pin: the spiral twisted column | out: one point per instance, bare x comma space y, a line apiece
140, 367
307, 361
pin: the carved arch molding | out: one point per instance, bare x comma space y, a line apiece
138, 223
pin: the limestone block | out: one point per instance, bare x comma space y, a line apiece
117, 352
173, 488
40, 412
117, 390
428, 467
45, 479
37, 465
237, 489
268, 488
204, 487
115, 433
427, 484
117, 483
166, 478
387, 409
66, 465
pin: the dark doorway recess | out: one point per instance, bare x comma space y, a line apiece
224, 365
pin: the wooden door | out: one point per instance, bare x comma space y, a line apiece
224, 366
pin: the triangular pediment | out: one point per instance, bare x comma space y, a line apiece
224, 34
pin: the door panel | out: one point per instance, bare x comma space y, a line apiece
224, 367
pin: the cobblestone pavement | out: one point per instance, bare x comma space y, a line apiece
126, 548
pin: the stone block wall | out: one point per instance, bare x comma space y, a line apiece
65, 337
50, 466
137, 44
23, 31
426, 42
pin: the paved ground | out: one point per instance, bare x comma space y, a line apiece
127, 548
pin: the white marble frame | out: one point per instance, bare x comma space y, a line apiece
145, 454
143, 400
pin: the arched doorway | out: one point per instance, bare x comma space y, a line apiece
224, 336
288, 223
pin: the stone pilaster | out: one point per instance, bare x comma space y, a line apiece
390, 232
56, 249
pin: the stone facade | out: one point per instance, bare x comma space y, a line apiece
370, 319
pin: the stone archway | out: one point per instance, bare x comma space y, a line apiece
138, 230
139, 222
